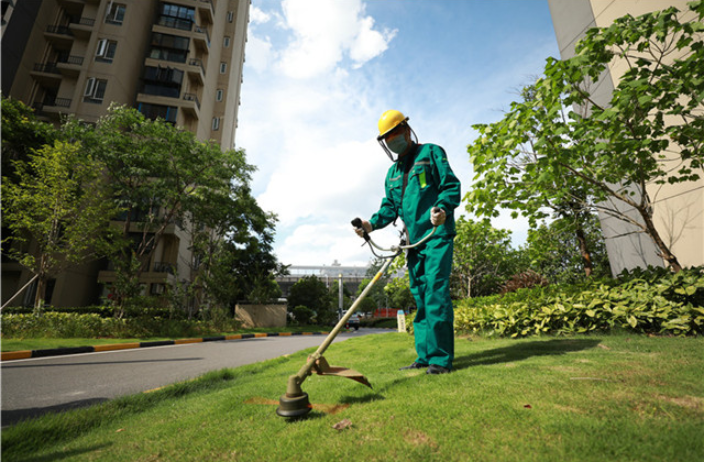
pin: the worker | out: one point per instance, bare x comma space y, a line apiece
423, 192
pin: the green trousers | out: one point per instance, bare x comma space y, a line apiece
429, 271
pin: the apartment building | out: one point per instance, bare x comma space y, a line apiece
180, 60
678, 210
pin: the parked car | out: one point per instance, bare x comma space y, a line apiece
353, 322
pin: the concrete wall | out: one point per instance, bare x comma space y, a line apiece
261, 315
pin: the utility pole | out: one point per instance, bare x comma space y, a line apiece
340, 297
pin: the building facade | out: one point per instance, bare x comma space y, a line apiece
180, 60
678, 210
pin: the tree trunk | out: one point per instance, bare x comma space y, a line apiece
41, 286
584, 250
665, 253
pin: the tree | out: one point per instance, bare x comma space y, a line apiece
232, 238
551, 251
160, 176
651, 132
370, 302
398, 291
483, 258
58, 211
311, 292
22, 133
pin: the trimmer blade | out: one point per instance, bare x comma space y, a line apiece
322, 367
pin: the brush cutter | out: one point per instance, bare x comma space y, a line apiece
295, 403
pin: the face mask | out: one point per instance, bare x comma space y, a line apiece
398, 144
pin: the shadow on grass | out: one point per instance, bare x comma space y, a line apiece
14, 416
61, 455
52, 428
524, 350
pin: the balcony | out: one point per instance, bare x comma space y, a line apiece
175, 23
52, 107
196, 71
192, 106
201, 38
46, 73
205, 10
81, 27
70, 65
60, 35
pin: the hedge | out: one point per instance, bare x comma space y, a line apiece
643, 301
72, 325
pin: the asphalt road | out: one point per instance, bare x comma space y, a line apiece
33, 387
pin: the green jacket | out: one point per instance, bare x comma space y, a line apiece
431, 183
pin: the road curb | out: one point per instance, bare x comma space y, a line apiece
26, 354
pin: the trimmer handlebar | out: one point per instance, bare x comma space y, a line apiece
357, 223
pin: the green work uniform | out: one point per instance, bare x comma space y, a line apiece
430, 183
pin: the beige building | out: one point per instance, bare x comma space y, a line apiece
178, 59
678, 210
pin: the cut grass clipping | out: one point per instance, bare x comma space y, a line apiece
601, 397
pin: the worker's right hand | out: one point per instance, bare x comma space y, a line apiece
366, 226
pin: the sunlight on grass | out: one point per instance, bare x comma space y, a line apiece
610, 397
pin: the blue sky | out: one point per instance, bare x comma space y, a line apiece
319, 73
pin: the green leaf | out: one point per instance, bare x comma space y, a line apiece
632, 321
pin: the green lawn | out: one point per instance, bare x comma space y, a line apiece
587, 398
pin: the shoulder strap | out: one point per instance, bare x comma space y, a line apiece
407, 169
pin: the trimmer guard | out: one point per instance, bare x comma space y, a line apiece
322, 367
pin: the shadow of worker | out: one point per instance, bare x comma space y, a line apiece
523, 350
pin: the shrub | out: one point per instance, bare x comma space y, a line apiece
524, 280
644, 301
303, 315
72, 325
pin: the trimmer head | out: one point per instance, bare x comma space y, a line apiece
293, 406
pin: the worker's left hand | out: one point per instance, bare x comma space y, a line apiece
437, 216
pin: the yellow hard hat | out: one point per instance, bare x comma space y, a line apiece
390, 120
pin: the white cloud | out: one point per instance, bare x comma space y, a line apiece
259, 53
369, 43
257, 16
323, 31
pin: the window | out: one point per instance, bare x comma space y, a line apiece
169, 47
216, 123
157, 289
95, 90
106, 50
162, 81
226, 42
115, 14
157, 111
218, 95
176, 16
230, 16
223, 68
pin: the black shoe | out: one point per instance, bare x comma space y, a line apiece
414, 365
434, 369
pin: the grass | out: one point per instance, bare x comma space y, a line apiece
20, 344
582, 398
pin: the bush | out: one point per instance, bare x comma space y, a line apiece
644, 301
303, 315
524, 280
72, 325
104, 311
